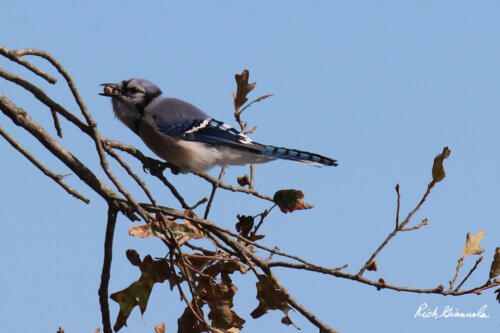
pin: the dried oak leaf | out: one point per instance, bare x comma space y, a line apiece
290, 200
225, 267
152, 271
270, 297
472, 244
181, 232
133, 257
201, 260
243, 88
160, 328
219, 297
245, 224
188, 323
495, 265
438, 173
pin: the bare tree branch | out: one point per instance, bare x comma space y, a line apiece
106, 269
57, 178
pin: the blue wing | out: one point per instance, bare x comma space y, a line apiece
212, 131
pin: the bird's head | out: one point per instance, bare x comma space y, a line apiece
130, 98
135, 92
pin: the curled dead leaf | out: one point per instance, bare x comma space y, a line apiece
244, 225
290, 200
495, 265
438, 173
243, 180
160, 328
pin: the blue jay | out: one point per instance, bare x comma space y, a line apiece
186, 137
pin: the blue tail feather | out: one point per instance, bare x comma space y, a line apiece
299, 156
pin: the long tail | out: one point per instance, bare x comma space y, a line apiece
299, 156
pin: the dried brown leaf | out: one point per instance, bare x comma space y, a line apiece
270, 297
244, 225
290, 200
133, 257
438, 173
181, 232
152, 271
472, 244
243, 180
219, 297
188, 323
495, 265
160, 328
243, 88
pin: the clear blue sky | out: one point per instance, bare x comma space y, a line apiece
381, 86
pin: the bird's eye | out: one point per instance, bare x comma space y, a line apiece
134, 90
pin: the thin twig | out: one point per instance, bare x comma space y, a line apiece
469, 274
252, 176
15, 56
57, 178
57, 124
418, 226
22, 118
213, 180
106, 269
459, 266
147, 161
212, 194
200, 202
46, 100
396, 230
398, 205
182, 263
262, 215
127, 168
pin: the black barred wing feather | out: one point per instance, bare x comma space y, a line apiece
211, 131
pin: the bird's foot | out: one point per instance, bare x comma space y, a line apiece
156, 167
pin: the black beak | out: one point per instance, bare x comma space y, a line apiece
110, 89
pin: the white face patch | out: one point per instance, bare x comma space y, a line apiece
199, 127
